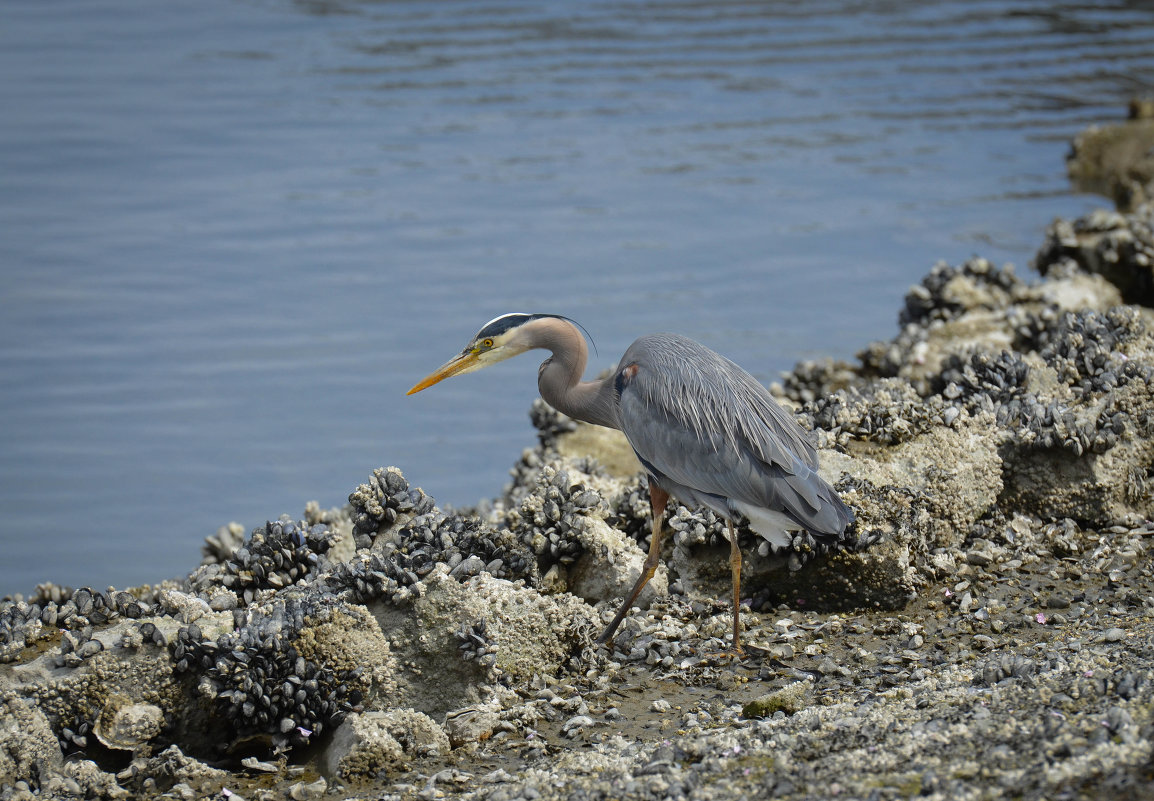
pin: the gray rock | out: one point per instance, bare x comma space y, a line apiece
27, 745
367, 744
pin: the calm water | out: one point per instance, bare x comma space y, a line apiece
234, 232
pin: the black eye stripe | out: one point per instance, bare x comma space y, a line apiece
508, 322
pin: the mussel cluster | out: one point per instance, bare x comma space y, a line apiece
78, 645
476, 643
73, 734
1041, 426
630, 511
1001, 667
812, 379
546, 521
466, 545
1085, 348
932, 300
370, 576
549, 423
695, 526
275, 556
262, 683
1000, 376
23, 623
377, 503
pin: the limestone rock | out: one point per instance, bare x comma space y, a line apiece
526, 633
368, 743
609, 566
471, 724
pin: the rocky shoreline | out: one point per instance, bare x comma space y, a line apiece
984, 631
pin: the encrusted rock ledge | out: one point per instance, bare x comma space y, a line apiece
985, 629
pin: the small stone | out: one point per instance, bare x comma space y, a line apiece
302, 791
252, 763
788, 699
470, 725
575, 724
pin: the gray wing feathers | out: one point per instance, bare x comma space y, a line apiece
709, 426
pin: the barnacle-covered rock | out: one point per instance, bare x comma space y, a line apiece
956, 468
610, 565
91, 672
596, 448
1065, 374
527, 633
975, 307
370, 743
184, 606
381, 501
1068, 445
1119, 247
598, 451
1116, 160
28, 747
471, 724
947, 291
871, 567
173, 770
887, 411
1076, 473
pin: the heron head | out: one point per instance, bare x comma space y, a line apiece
499, 339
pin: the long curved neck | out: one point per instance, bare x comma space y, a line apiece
559, 379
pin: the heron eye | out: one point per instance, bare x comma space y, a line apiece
488, 343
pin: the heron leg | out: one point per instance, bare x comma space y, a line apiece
735, 569
657, 499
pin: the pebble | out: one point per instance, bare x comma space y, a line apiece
308, 791
1114, 635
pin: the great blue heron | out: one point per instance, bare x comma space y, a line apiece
705, 430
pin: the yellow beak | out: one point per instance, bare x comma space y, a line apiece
458, 364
